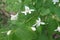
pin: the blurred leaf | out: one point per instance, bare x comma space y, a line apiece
45, 11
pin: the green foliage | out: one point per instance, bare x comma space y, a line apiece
21, 28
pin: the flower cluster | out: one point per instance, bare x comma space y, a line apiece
38, 22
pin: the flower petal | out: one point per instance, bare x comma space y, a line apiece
26, 7
55, 30
24, 12
42, 23
32, 10
8, 33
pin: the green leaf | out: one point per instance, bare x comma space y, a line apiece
44, 11
24, 34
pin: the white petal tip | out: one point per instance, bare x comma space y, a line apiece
24, 12
33, 28
55, 30
42, 23
8, 33
59, 4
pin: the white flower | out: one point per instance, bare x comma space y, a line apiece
27, 10
38, 23
33, 28
55, 1
14, 17
8, 33
58, 29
